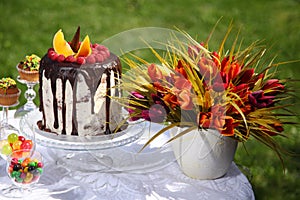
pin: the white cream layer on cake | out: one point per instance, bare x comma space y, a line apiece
76, 100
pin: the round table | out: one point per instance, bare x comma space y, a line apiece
160, 182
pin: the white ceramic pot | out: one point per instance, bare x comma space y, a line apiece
203, 154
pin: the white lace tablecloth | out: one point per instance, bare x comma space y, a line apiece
142, 180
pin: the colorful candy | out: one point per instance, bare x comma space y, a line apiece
21, 138
17, 145
6, 149
3, 143
27, 144
25, 171
12, 137
14, 142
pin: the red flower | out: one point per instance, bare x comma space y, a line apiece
230, 67
216, 119
246, 76
258, 99
242, 91
154, 73
273, 86
216, 58
213, 119
180, 69
159, 88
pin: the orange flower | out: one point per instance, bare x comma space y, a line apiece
171, 100
154, 73
182, 83
207, 68
242, 91
218, 117
229, 126
185, 100
159, 88
230, 67
204, 119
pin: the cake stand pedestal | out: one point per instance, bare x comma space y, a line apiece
113, 153
83, 161
30, 95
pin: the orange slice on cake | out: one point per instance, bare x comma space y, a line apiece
85, 48
60, 45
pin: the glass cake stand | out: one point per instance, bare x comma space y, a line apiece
81, 143
114, 153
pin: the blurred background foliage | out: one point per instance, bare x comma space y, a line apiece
27, 27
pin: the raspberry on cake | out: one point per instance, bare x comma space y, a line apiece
29, 68
9, 92
77, 80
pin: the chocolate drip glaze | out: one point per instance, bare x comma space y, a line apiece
91, 73
107, 106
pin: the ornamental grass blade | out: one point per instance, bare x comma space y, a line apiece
211, 33
220, 51
182, 133
159, 133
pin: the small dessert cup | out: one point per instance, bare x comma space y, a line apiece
30, 76
28, 68
9, 99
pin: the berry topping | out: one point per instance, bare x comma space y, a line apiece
70, 59
81, 60
60, 58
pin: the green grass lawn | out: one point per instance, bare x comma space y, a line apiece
28, 27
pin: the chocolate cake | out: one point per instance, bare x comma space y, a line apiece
75, 91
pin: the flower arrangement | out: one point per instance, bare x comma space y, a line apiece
234, 91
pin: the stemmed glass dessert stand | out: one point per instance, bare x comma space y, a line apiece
30, 95
5, 109
117, 152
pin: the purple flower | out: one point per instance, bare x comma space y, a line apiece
137, 95
156, 114
259, 100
